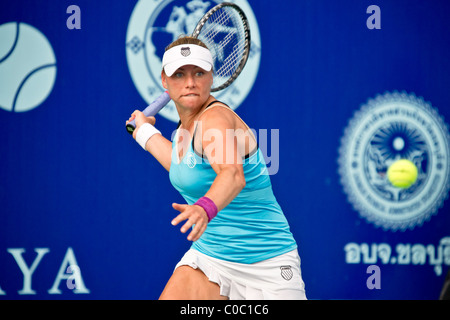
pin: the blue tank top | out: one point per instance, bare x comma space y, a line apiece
252, 227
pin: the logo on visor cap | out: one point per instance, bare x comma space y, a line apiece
185, 51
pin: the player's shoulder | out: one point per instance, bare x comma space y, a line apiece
218, 112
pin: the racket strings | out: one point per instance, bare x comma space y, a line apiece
219, 18
230, 64
224, 35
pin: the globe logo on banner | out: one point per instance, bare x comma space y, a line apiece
154, 24
390, 127
27, 67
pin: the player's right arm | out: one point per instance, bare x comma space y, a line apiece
157, 145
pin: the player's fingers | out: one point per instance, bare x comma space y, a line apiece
138, 117
130, 118
179, 207
191, 221
197, 232
181, 217
195, 218
200, 220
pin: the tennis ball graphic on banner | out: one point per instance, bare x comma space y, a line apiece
402, 173
27, 67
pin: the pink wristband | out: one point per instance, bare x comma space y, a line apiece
209, 206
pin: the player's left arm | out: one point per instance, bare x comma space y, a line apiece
224, 154
221, 147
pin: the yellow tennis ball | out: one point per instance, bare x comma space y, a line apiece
402, 173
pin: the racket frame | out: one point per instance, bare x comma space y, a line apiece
247, 37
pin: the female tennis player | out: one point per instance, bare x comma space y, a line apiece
242, 246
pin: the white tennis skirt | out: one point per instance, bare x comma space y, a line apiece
277, 278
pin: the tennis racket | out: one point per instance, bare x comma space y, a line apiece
226, 32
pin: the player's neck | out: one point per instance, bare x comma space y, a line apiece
188, 116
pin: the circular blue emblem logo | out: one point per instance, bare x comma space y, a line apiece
390, 127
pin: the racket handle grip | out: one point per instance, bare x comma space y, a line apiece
151, 110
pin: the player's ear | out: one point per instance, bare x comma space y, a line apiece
212, 78
163, 79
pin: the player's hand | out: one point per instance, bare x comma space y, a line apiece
194, 215
140, 119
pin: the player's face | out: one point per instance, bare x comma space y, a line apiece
189, 86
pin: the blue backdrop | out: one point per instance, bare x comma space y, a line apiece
76, 190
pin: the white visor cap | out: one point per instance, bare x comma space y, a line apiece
186, 54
